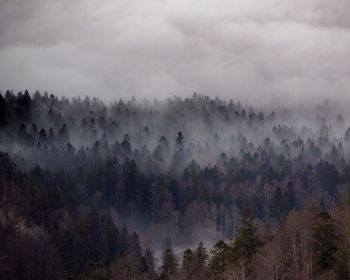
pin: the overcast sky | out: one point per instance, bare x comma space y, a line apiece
262, 50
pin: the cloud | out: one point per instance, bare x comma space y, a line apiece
253, 50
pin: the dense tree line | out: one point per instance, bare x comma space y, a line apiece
76, 174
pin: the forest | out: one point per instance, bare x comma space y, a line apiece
182, 188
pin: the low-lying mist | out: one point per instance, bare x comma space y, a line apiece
177, 169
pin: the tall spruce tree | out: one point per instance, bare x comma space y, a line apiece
289, 199
200, 256
220, 257
247, 240
169, 267
149, 261
276, 204
324, 242
188, 263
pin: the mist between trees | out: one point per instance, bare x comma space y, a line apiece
77, 177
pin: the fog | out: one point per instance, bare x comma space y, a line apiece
180, 170
261, 51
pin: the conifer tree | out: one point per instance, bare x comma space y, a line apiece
247, 241
220, 257
324, 242
149, 261
276, 204
188, 263
200, 256
2, 111
289, 199
169, 267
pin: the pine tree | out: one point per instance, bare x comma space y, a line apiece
220, 257
134, 252
324, 242
149, 261
188, 263
169, 267
3, 120
247, 241
42, 135
289, 199
276, 204
179, 140
63, 134
123, 240
107, 239
200, 256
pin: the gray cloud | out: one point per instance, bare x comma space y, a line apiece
253, 50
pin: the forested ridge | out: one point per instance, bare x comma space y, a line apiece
90, 190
